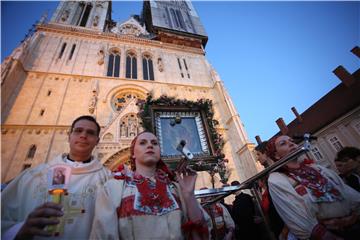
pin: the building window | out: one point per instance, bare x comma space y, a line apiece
42, 111
148, 70
317, 153
131, 66
49, 93
122, 99
72, 51
177, 18
31, 152
335, 143
62, 50
180, 19
179, 63
185, 64
82, 14
114, 64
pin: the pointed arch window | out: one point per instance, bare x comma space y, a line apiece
148, 69
114, 64
62, 50
31, 152
177, 18
82, 14
131, 66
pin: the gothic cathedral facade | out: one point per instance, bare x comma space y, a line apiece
81, 62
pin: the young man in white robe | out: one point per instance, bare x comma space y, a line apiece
26, 207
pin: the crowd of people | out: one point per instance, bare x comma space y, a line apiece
301, 200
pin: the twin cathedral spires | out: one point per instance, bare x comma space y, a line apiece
168, 21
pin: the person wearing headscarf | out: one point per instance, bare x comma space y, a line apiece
149, 201
222, 222
312, 200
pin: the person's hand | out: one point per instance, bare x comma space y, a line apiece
229, 235
38, 219
187, 179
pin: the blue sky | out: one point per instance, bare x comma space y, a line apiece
270, 55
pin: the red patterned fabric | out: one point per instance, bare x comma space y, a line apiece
265, 202
153, 197
318, 232
198, 226
301, 190
126, 208
318, 186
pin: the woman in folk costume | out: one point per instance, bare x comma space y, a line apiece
222, 222
146, 202
312, 200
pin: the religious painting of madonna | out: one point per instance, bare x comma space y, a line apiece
174, 127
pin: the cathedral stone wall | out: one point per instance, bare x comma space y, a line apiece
58, 84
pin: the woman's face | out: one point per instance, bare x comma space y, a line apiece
285, 145
146, 150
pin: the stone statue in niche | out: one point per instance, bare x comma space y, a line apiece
65, 15
123, 130
93, 99
160, 64
132, 128
92, 103
101, 56
96, 21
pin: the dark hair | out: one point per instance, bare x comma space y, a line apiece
347, 153
235, 183
261, 147
88, 118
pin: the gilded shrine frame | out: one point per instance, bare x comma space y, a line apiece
173, 120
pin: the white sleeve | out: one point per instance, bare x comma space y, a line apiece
229, 222
11, 206
105, 223
11, 233
291, 207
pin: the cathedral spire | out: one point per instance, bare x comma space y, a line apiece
88, 14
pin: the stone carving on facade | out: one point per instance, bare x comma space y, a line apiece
43, 18
129, 126
15, 55
160, 64
5, 67
100, 3
108, 137
101, 56
96, 21
94, 97
130, 27
65, 15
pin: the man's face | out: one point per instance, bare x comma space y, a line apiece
261, 157
83, 138
346, 166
